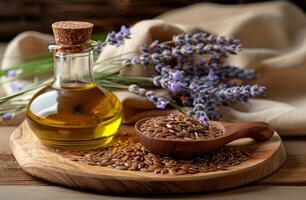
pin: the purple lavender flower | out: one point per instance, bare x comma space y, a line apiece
199, 37
157, 81
176, 86
199, 106
15, 87
135, 60
176, 51
221, 39
201, 116
125, 32
159, 66
170, 79
187, 50
188, 38
144, 48
111, 38
162, 102
212, 38
7, 116
99, 47
229, 71
200, 48
212, 76
155, 46
166, 54
191, 68
207, 48
177, 75
203, 43
144, 59
151, 96
118, 38
156, 58
164, 46
179, 39
240, 93
134, 88
257, 91
212, 109
142, 92
11, 73
159, 101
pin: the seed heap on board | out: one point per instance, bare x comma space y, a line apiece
178, 127
126, 153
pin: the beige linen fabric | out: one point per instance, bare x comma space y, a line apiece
273, 35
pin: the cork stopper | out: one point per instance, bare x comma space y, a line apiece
72, 32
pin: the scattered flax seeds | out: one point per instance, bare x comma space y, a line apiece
125, 153
179, 127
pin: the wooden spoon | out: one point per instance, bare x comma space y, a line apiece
259, 131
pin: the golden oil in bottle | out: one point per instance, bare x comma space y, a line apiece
73, 112
80, 117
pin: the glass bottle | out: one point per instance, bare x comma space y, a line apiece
73, 112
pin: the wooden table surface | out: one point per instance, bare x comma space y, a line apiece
288, 182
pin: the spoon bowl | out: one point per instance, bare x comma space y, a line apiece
231, 131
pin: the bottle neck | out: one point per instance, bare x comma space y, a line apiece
73, 70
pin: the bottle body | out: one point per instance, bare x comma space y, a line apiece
73, 112
81, 117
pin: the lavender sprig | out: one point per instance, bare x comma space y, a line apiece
114, 38
207, 43
191, 68
170, 79
240, 93
11, 73
7, 116
117, 39
159, 101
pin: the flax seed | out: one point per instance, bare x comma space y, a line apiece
126, 153
178, 127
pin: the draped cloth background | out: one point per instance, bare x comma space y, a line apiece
273, 35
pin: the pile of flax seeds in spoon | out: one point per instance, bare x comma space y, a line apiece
179, 127
126, 153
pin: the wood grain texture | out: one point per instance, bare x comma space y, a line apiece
291, 173
39, 162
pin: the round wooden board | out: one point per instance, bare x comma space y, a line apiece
38, 161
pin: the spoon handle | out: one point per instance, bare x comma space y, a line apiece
259, 131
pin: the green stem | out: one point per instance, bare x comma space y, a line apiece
168, 42
176, 106
29, 89
103, 75
111, 84
130, 52
29, 74
143, 81
110, 58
